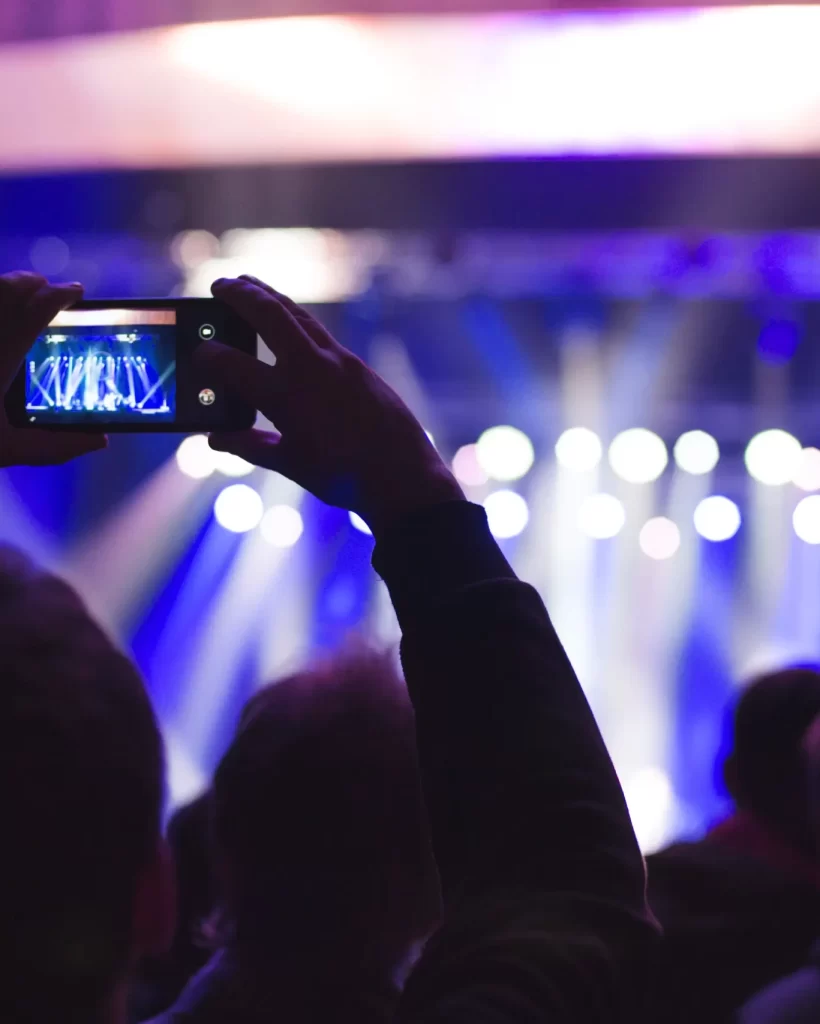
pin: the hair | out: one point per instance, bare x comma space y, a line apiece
81, 791
319, 816
771, 719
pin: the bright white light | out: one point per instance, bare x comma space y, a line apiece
505, 453
806, 519
773, 457
601, 516
282, 526
430, 438
659, 538
190, 248
238, 508
195, 457
717, 518
651, 802
359, 523
232, 465
467, 468
307, 264
638, 456
578, 449
507, 513
696, 452
807, 474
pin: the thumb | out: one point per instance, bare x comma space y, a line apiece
261, 447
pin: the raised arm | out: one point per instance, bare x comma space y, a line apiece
545, 917
545, 914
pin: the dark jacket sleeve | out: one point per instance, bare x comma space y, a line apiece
545, 916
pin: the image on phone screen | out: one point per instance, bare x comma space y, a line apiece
104, 365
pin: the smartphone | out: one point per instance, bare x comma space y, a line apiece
126, 365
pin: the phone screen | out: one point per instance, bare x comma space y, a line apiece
106, 365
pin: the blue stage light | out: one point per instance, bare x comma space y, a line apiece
778, 341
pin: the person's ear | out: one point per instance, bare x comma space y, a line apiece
730, 777
155, 904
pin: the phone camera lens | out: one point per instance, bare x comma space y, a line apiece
206, 397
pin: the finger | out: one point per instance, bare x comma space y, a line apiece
48, 448
310, 324
45, 303
22, 329
17, 286
275, 325
260, 447
243, 374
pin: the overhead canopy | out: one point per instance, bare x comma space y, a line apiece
741, 81
49, 19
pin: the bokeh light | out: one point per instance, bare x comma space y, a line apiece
773, 457
195, 457
717, 518
601, 516
505, 453
358, 523
238, 508
191, 248
232, 465
806, 519
507, 514
659, 538
50, 255
467, 468
282, 526
807, 474
578, 449
696, 452
638, 455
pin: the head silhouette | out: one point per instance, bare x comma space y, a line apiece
320, 824
765, 772
85, 881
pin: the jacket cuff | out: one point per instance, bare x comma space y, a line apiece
437, 551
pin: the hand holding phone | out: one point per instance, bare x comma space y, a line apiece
27, 304
345, 435
127, 366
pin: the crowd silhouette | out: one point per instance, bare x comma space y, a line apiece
448, 845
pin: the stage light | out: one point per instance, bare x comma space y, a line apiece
638, 456
505, 453
772, 457
195, 458
282, 526
358, 523
190, 248
49, 255
507, 514
238, 508
232, 465
806, 519
717, 518
807, 474
601, 516
659, 538
467, 468
578, 449
696, 452
778, 341
651, 802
